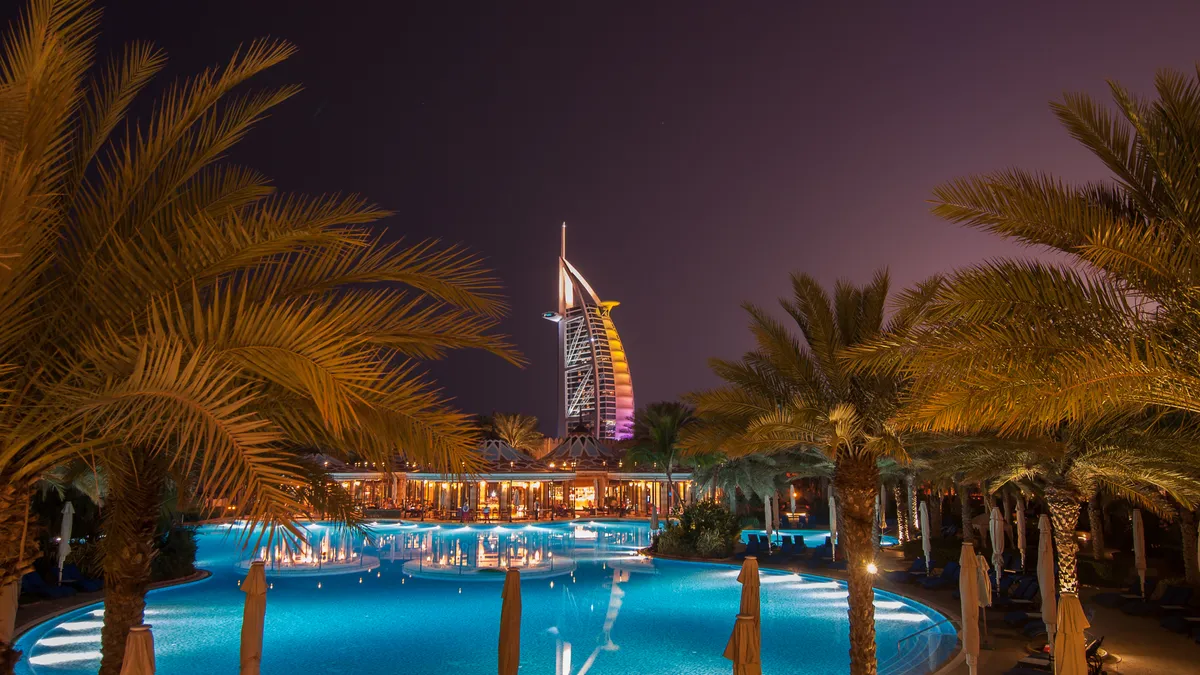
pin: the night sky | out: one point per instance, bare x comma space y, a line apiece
700, 152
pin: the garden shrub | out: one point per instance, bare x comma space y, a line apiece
706, 529
176, 554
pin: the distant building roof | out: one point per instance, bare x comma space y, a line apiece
583, 452
501, 457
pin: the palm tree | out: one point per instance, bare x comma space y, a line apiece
789, 393
757, 474
656, 431
166, 313
1071, 467
519, 431
1027, 344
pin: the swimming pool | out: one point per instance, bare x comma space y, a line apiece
812, 538
423, 598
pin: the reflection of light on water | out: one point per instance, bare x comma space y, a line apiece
68, 640
81, 625
888, 604
65, 657
829, 595
906, 617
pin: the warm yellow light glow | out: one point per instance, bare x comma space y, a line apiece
872, 568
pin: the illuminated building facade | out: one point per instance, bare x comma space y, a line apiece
595, 390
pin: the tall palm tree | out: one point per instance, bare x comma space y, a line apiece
165, 312
656, 431
1026, 344
519, 431
1072, 466
794, 392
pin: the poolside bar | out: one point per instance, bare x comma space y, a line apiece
580, 476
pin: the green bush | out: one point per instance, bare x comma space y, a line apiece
713, 544
706, 529
175, 554
671, 541
750, 523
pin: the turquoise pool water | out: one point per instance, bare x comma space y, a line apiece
426, 599
812, 538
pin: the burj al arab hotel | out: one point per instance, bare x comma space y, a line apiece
595, 390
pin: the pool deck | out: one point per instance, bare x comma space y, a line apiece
1143, 647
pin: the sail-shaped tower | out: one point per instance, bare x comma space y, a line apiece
594, 386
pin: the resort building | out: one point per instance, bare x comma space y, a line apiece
595, 391
581, 476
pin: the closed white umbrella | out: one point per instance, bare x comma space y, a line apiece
926, 542
968, 590
832, 525
1070, 649
64, 537
510, 623
767, 521
882, 508
139, 652
996, 527
1045, 575
984, 582
1021, 529
1139, 548
253, 616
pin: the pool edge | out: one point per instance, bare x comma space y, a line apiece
198, 576
952, 614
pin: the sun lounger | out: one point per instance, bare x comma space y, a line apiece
1174, 599
947, 579
1114, 600
909, 576
1023, 593
72, 575
33, 584
1184, 623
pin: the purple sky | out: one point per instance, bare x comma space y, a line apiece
699, 153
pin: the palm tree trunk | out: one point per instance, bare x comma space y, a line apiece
901, 513
935, 512
856, 480
731, 496
1007, 504
1096, 524
913, 510
16, 558
1187, 528
964, 505
1064, 504
672, 498
130, 523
